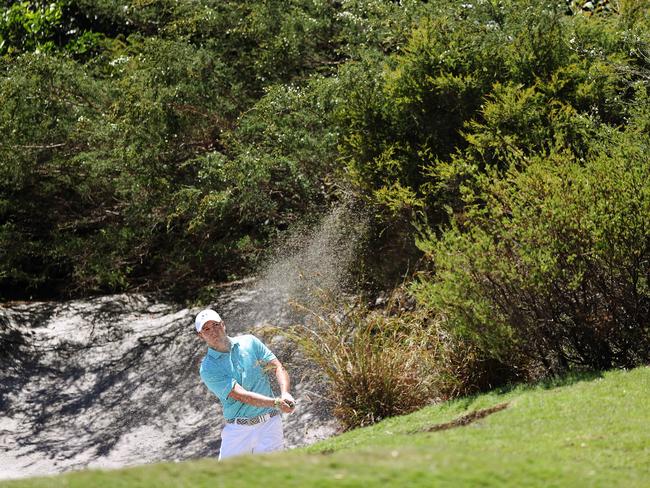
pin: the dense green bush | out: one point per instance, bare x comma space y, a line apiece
163, 144
90, 165
28, 26
508, 74
548, 265
44, 109
474, 85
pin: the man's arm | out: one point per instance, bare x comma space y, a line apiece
281, 375
265, 356
285, 402
241, 394
283, 380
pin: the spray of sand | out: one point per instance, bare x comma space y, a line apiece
311, 263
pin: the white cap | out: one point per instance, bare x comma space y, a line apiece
205, 316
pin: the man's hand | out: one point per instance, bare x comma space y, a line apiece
288, 404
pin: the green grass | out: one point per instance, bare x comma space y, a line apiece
582, 431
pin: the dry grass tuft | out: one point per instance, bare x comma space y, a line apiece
380, 361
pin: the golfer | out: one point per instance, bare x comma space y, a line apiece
234, 369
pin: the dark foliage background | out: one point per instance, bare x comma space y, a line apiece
501, 147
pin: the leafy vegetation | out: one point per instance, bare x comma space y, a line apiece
553, 261
501, 147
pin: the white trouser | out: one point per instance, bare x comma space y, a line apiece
252, 439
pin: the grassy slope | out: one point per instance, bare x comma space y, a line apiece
589, 431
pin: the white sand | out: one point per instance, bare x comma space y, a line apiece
113, 381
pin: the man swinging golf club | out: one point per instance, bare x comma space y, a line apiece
234, 369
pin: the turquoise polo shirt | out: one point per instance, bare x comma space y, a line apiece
243, 365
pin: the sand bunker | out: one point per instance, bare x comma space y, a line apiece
113, 381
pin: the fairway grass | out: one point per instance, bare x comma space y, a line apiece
592, 430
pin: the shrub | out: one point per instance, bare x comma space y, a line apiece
382, 362
409, 109
548, 265
29, 26
48, 194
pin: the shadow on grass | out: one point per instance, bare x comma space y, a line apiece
556, 381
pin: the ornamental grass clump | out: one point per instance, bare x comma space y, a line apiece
379, 362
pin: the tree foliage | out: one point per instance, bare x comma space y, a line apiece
500, 147
163, 144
